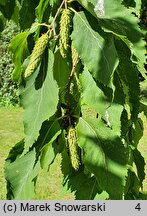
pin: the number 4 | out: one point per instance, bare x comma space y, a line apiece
138, 207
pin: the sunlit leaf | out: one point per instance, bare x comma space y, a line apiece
103, 154
20, 176
40, 96
99, 54
19, 49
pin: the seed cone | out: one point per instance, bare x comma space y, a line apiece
37, 54
73, 148
65, 26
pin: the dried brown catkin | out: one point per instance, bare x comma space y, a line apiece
36, 55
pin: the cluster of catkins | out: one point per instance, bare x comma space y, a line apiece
64, 46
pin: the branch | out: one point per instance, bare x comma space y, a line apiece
58, 11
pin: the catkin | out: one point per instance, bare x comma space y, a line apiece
65, 27
37, 54
73, 148
75, 56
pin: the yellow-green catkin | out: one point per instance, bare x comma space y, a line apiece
75, 56
73, 148
65, 28
76, 65
37, 54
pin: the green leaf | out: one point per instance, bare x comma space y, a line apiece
120, 21
50, 151
124, 124
2, 22
91, 95
40, 97
61, 70
20, 176
15, 15
19, 49
103, 154
7, 8
99, 54
52, 2
127, 72
129, 3
103, 196
119, 96
27, 13
140, 164
117, 8
89, 5
132, 186
16, 151
66, 167
61, 75
137, 131
114, 112
125, 24
49, 131
85, 187
137, 46
48, 156
99, 102
47, 144
143, 108
134, 4
2, 2
41, 8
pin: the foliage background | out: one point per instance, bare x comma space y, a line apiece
8, 29
8, 88
133, 99
11, 133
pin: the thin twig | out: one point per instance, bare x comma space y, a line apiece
41, 24
73, 10
54, 30
58, 11
73, 67
66, 4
